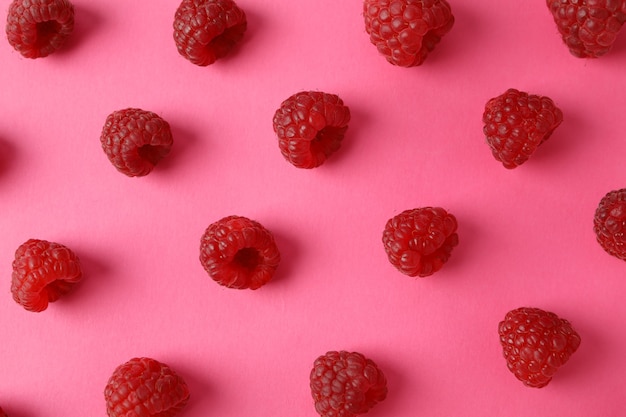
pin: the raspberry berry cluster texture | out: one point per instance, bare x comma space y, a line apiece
37, 28
609, 223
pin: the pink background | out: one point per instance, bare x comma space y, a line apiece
415, 139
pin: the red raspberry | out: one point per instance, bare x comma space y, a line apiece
206, 30
2, 413
239, 253
310, 126
419, 241
42, 272
516, 123
38, 28
535, 344
588, 27
135, 140
144, 387
609, 223
346, 384
405, 31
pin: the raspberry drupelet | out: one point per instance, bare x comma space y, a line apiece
418, 242
145, 387
346, 384
42, 273
207, 30
310, 126
609, 223
36, 29
239, 253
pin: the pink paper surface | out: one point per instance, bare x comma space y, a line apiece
415, 139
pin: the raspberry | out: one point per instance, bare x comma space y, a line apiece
516, 123
38, 28
206, 30
406, 31
2, 413
535, 344
43, 272
135, 140
310, 126
144, 387
239, 253
609, 223
588, 27
419, 241
346, 384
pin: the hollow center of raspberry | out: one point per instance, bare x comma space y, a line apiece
151, 153
46, 31
327, 140
247, 258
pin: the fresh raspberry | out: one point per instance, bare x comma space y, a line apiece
419, 241
535, 344
239, 253
516, 123
135, 140
346, 384
43, 272
206, 30
588, 27
609, 223
406, 31
38, 28
310, 126
144, 387
2, 413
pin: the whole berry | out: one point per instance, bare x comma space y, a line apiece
418, 242
406, 31
536, 343
310, 126
206, 30
609, 223
239, 253
43, 272
145, 387
516, 123
135, 140
346, 384
588, 27
38, 28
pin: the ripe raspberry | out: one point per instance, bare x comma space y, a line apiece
609, 223
239, 253
144, 387
588, 27
516, 123
38, 28
419, 241
310, 126
535, 344
405, 31
206, 30
346, 384
135, 140
2, 413
42, 272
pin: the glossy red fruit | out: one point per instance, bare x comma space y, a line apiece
536, 343
346, 384
609, 223
42, 273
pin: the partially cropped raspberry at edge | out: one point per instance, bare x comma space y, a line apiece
239, 253
516, 123
535, 344
310, 126
2, 413
42, 273
135, 140
588, 27
145, 387
406, 31
609, 223
207, 30
346, 384
418, 242
36, 29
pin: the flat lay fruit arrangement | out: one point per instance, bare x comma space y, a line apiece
381, 207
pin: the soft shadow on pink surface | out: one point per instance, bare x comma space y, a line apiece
396, 390
462, 254
202, 396
86, 22
185, 143
289, 251
95, 280
353, 137
18, 408
8, 157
